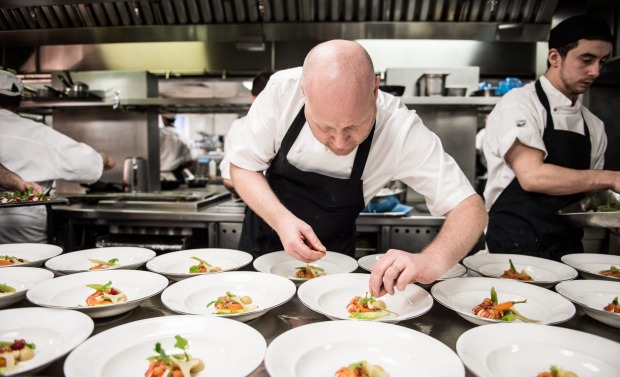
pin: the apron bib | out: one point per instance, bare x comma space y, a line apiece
527, 223
329, 205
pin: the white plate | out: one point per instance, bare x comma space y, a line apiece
524, 349
329, 295
592, 296
226, 347
368, 262
545, 272
129, 258
320, 349
462, 295
589, 264
176, 265
35, 253
280, 263
71, 291
192, 295
54, 332
22, 279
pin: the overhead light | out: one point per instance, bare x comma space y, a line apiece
252, 43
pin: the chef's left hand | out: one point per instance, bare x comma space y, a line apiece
398, 268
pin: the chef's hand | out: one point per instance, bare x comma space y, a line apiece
300, 241
398, 268
24, 186
108, 162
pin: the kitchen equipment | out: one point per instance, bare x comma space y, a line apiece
456, 91
135, 175
582, 213
78, 89
432, 84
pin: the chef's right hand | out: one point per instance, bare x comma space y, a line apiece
300, 241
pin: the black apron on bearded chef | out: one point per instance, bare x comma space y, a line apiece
329, 205
527, 223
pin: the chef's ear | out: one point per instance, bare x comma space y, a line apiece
554, 58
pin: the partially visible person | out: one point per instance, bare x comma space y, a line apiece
13, 182
328, 140
175, 151
258, 84
38, 153
545, 149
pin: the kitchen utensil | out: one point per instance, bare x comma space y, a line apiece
456, 91
77, 89
64, 81
582, 213
432, 84
135, 175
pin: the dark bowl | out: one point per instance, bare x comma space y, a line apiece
395, 90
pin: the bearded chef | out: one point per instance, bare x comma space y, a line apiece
329, 140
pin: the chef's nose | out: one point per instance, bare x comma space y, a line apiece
340, 140
595, 69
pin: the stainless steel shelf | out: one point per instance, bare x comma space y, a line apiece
450, 101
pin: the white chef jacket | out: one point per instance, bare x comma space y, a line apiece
402, 147
174, 150
39, 154
520, 115
235, 129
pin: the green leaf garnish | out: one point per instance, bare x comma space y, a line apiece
99, 287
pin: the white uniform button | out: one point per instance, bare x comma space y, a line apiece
298, 151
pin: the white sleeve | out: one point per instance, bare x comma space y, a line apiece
236, 128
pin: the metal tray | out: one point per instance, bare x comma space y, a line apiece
37, 203
582, 213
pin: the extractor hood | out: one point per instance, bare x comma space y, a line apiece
252, 22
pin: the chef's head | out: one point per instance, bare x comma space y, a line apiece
568, 33
340, 89
168, 119
259, 83
11, 88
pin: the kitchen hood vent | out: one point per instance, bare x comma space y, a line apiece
45, 22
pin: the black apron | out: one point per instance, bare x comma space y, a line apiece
329, 205
527, 223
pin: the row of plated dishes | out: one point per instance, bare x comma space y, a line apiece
214, 306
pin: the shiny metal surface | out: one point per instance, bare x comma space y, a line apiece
582, 213
440, 323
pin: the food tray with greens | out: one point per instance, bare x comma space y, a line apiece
28, 198
597, 210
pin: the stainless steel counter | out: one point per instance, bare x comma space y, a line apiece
440, 323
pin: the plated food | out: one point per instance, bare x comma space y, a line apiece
323, 348
462, 295
230, 303
613, 272
525, 268
203, 267
177, 265
239, 295
367, 307
512, 273
16, 281
24, 196
594, 297
592, 265
27, 254
491, 308
282, 264
225, 347
526, 349
613, 307
12, 353
309, 272
105, 294
100, 259
174, 365
48, 333
555, 371
362, 369
71, 291
332, 295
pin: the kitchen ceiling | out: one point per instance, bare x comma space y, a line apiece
47, 22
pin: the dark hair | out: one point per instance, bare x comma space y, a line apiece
10, 102
563, 50
260, 81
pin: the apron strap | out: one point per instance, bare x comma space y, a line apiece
293, 132
362, 156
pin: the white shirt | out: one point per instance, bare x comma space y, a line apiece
236, 128
174, 149
520, 115
402, 147
39, 154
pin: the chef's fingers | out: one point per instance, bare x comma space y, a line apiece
380, 273
35, 187
313, 241
298, 252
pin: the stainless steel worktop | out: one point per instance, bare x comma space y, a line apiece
440, 323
